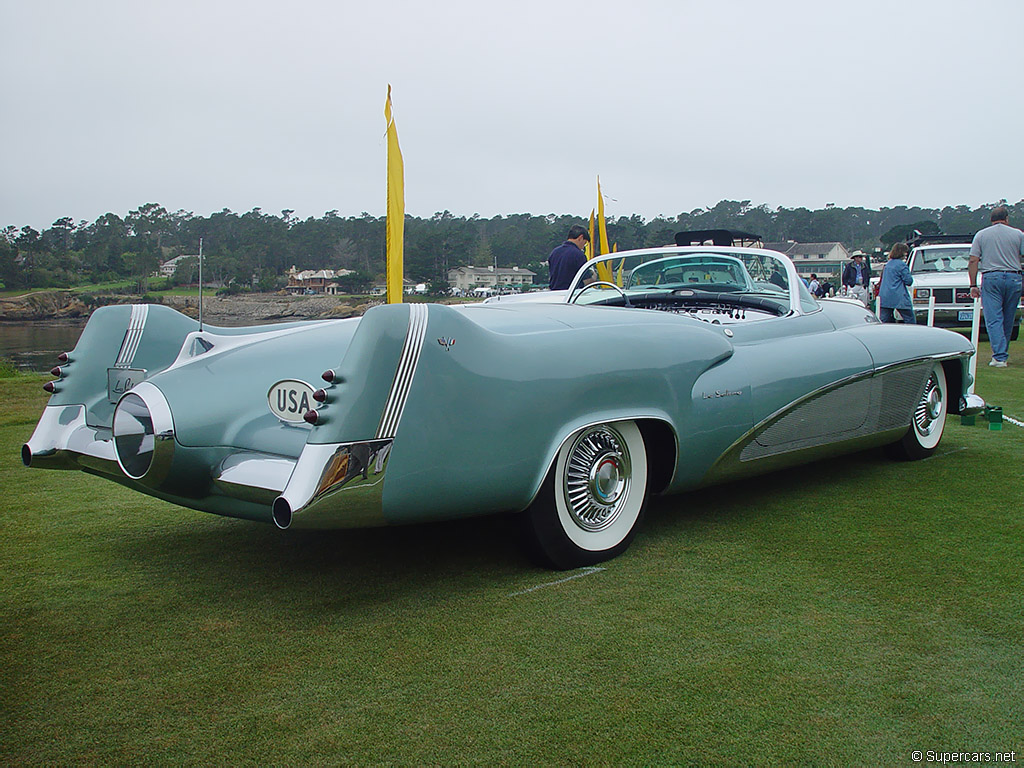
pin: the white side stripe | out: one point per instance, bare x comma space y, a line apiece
406, 370
133, 336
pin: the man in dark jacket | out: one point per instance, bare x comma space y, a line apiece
565, 261
857, 278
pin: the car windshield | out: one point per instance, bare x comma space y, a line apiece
951, 259
711, 272
697, 270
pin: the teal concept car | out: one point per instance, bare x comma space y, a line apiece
658, 371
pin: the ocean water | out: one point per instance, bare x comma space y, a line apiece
34, 346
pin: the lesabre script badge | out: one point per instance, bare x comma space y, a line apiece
722, 393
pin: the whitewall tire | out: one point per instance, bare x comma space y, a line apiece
591, 504
928, 421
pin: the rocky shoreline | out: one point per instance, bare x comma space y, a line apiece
241, 309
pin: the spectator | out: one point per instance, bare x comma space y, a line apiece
996, 252
857, 277
893, 290
814, 286
565, 260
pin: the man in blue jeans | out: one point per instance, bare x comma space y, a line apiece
996, 252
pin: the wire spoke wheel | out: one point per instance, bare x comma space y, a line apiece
593, 498
597, 478
930, 408
928, 420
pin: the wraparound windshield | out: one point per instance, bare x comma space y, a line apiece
740, 271
711, 272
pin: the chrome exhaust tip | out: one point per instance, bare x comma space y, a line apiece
282, 513
971, 405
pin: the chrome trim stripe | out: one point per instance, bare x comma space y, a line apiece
406, 370
781, 412
132, 336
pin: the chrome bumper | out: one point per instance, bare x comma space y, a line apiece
336, 485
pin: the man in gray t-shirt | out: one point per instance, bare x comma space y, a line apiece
996, 252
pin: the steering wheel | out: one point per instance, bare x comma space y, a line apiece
596, 283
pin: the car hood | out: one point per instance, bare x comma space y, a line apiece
952, 278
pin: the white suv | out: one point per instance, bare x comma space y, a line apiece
939, 267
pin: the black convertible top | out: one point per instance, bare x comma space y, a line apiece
913, 242
726, 237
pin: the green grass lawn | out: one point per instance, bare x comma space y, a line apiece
843, 613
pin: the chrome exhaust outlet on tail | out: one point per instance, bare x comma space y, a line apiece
63, 440
335, 485
282, 513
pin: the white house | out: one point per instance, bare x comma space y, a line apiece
467, 278
168, 267
820, 258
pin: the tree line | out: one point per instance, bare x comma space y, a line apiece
254, 250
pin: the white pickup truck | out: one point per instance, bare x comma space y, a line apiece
939, 266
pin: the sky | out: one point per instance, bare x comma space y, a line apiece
201, 105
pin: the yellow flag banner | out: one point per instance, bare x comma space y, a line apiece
602, 227
590, 245
395, 227
604, 271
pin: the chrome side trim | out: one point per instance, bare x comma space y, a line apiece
739, 460
406, 370
841, 383
132, 336
62, 440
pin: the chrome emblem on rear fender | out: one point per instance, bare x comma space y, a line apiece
290, 399
120, 380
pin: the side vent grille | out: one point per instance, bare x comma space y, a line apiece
862, 407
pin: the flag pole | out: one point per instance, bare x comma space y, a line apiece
395, 221
200, 285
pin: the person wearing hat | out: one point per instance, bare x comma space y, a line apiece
857, 277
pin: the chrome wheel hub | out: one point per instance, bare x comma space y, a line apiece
929, 408
597, 478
